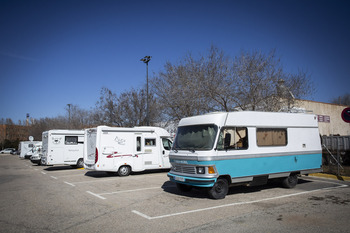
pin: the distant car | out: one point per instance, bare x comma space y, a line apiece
7, 151
14, 152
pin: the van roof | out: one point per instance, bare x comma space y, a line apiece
251, 118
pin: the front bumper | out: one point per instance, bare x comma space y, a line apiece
36, 161
193, 181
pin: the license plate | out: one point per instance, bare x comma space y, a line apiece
179, 178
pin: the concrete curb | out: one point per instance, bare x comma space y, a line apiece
330, 176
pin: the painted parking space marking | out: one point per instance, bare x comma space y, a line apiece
96, 195
69, 183
237, 203
93, 181
69, 175
100, 195
54, 177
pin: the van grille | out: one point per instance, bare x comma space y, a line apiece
184, 169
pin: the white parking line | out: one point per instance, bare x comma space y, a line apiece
96, 195
43, 173
69, 175
92, 181
235, 204
54, 177
69, 183
99, 195
127, 191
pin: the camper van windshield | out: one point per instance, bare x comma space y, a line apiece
195, 137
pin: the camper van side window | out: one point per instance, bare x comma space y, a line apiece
138, 143
233, 138
167, 144
271, 137
71, 140
150, 142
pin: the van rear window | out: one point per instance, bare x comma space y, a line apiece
71, 140
271, 137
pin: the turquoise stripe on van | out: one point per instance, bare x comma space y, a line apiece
267, 165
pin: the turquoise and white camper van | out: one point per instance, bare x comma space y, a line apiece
218, 150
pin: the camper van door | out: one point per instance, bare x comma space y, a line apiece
151, 156
165, 150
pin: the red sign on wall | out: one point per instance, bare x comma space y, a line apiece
346, 115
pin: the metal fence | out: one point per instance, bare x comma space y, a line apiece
336, 155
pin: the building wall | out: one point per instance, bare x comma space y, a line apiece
329, 116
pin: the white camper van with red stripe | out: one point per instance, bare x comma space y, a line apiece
125, 150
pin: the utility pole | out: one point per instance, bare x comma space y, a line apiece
146, 59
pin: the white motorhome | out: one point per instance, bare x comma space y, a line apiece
217, 150
124, 150
24, 147
63, 147
36, 153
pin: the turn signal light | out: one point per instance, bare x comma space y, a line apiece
211, 170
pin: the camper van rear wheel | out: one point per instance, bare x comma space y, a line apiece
80, 163
219, 190
290, 181
124, 171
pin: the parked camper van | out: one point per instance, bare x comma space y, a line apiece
123, 150
34, 150
63, 147
36, 153
25, 146
222, 149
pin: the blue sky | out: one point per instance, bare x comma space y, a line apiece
54, 53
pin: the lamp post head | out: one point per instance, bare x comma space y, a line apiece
146, 59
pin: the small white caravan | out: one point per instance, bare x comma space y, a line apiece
124, 150
63, 147
24, 147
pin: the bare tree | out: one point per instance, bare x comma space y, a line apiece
132, 108
255, 79
342, 100
194, 86
106, 108
43, 124
78, 118
215, 82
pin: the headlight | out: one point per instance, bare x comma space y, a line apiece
200, 170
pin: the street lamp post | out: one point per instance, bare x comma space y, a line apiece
69, 115
146, 59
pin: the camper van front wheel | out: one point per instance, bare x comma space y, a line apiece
290, 181
219, 190
124, 171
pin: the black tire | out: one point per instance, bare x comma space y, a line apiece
80, 163
219, 190
183, 187
290, 181
124, 171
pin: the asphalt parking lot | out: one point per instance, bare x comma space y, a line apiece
63, 199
